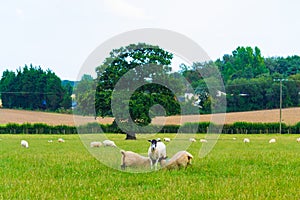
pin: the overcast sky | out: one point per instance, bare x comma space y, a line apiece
60, 34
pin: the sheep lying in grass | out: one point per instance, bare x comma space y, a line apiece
132, 159
50, 141
298, 139
180, 159
246, 140
273, 140
61, 140
156, 151
24, 143
203, 140
95, 144
109, 143
192, 140
167, 139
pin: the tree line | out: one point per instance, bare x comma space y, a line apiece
34, 89
251, 81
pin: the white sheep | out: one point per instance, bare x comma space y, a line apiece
50, 141
61, 140
95, 144
156, 151
167, 139
192, 140
246, 140
273, 140
109, 143
234, 138
180, 159
298, 139
132, 159
203, 140
24, 143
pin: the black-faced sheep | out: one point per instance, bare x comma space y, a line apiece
156, 151
132, 159
180, 159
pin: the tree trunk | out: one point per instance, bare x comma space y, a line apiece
130, 136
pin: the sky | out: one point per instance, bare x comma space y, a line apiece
61, 34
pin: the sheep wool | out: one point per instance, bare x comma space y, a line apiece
24, 143
95, 144
109, 143
180, 159
132, 159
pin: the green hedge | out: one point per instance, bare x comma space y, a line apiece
235, 128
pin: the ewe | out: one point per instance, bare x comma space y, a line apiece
203, 140
61, 140
246, 140
156, 151
109, 143
298, 139
192, 140
132, 159
167, 139
273, 140
24, 143
95, 144
180, 159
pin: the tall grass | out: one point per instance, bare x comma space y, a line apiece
232, 170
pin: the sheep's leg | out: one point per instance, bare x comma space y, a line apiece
123, 166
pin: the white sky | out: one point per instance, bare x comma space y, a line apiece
60, 34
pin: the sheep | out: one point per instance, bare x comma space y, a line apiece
95, 144
50, 141
273, 140
158, 140
298, 139
234, 138
156, 151
24, 143
61, 140
203, 140
109, 143
167, 139
192, 140
132, 159
246, 140
180, 159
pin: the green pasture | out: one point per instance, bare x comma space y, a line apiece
232, 170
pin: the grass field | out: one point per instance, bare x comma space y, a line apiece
232, 170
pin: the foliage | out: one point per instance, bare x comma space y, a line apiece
143, 70
32, 88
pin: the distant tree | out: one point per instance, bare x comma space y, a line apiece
85, 95
33, 88
146, 64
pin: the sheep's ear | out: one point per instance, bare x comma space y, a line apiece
150, 141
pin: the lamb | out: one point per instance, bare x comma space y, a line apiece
246, 140
273, 140
203, 140
180, 159
167, 139
298, 139
61, 140
156, 151
109, 143
95, 144
132, 159
24, 143
192, 140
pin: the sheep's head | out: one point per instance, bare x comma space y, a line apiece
153, 144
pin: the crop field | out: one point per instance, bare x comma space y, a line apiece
232, 170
